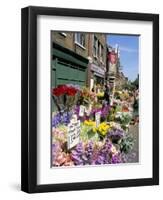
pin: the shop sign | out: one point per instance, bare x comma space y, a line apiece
98, 69
112, 68
73, 134
112, 57
81, 111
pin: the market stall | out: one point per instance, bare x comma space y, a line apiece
88, 131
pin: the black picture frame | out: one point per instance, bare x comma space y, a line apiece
29, 99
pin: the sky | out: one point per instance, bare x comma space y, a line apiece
129, 53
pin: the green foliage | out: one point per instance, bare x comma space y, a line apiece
88, 134
128, 86
126, 144
125, 119
135, 83
111, 116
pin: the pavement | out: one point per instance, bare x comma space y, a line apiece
133, 156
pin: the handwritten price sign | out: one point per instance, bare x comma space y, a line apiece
73, 134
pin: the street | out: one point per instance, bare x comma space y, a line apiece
133, 156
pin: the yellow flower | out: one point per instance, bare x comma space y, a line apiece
90, 123
103, 128
100, 94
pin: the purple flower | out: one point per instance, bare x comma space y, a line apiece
89, 150
56, 120
105, 111
106, 151
77, 154
76, 110
61, 118
81, 155
56, 148
66, 117
115, 134
95, 111
91, 154
116, 158
102, 155
100, 160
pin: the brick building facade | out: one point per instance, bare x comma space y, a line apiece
89, 51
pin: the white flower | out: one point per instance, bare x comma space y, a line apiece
113, 149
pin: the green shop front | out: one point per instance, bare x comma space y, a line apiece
67, 67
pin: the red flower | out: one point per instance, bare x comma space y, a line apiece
64, 89
71, 91
56, 92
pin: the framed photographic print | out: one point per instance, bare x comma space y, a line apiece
90, 99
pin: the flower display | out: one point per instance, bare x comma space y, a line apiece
99, 143
95, 154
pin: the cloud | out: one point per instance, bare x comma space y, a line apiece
128, 50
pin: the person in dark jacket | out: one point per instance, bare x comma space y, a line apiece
107, 95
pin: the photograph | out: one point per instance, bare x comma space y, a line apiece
90, 99
94, 99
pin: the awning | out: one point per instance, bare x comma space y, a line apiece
99, 75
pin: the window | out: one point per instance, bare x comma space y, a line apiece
95, 46
101, 53
98, 49
80, 38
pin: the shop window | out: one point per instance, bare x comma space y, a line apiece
80, 39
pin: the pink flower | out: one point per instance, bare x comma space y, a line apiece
59, 159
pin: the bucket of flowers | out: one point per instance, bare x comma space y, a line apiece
65, 96
116, 135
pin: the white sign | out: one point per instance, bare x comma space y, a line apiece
73, 134
98, 69
112, 68
98, 118
81, 111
